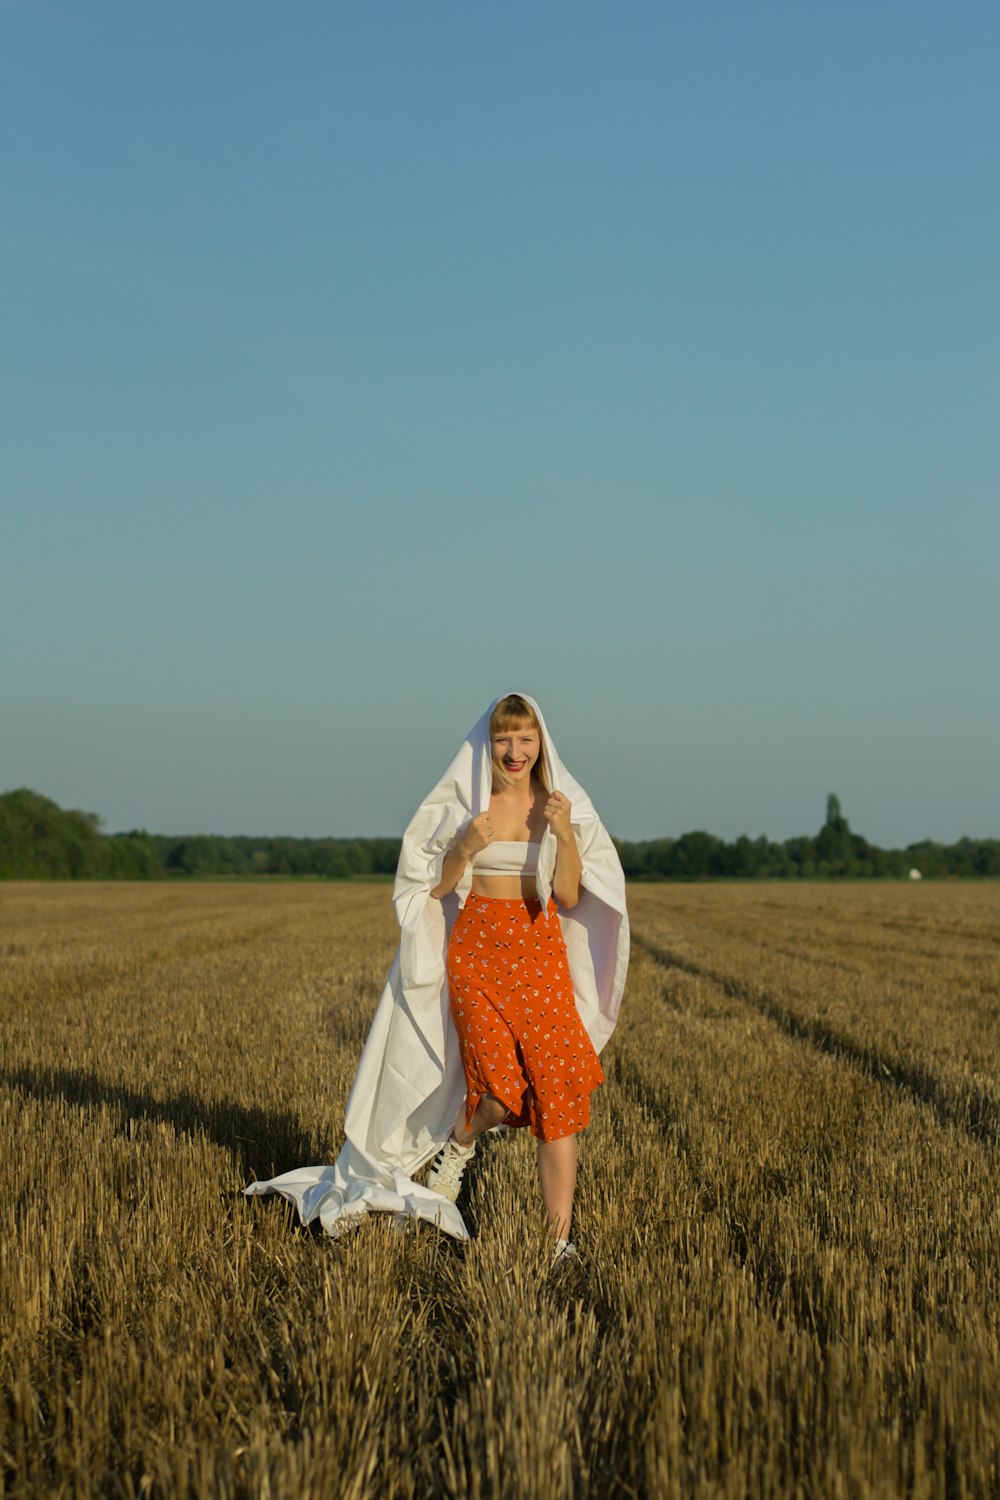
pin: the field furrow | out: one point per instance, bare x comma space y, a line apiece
932, 1030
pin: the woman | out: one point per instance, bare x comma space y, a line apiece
527, 1058
411, 1095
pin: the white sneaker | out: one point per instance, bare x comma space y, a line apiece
445, 1176
565, 1250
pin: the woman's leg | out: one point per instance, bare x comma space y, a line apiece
557, 1180
489, 1112
445, 1176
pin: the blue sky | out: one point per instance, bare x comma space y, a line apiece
361, 362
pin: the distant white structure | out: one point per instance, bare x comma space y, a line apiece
915, 875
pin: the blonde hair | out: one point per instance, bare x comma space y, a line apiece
514, 712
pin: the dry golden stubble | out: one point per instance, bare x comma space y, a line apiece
788, 1257
927, 1028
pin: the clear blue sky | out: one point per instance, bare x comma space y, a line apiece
362, 361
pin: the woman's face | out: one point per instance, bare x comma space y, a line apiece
516, 751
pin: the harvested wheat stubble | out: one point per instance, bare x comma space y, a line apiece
787, 1212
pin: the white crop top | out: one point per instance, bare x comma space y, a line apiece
507, 857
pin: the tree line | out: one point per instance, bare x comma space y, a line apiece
40, 840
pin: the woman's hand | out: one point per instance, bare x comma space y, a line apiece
556, 812
477, 835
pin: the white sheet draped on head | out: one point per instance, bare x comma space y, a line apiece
410, 1084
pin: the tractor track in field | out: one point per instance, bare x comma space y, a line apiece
979, 1118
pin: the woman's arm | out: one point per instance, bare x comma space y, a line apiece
475, 836
569, 866
455, 862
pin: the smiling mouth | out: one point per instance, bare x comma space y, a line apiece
515, 765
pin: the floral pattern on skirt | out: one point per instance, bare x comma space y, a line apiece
512, 1004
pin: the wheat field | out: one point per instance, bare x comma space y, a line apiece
787, 1211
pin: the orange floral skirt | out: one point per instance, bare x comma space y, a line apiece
512, 1004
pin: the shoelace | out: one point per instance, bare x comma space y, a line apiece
451, 1164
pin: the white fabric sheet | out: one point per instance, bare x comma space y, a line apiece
410, 1084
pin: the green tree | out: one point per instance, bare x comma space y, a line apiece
834, 844
694, 852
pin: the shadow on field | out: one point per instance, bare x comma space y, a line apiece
976, 1115
256, 1138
